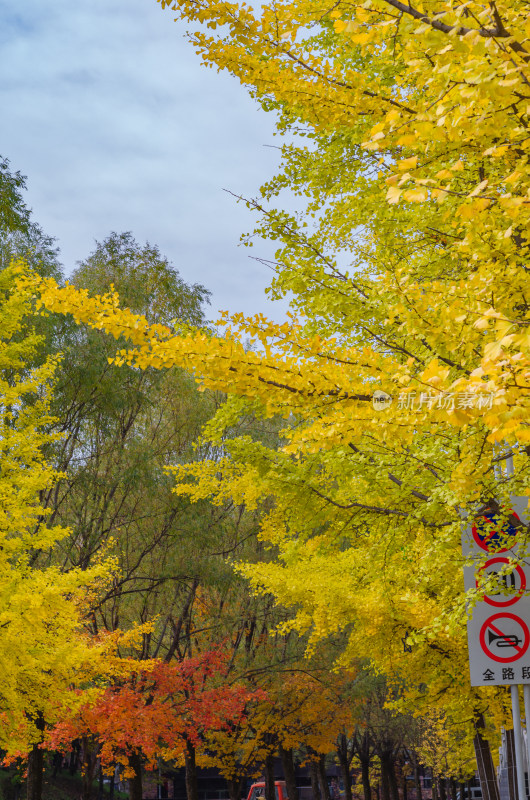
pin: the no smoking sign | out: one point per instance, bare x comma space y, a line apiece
498, 632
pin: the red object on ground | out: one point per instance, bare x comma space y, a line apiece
257, 790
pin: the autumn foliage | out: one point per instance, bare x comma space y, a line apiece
157, 710
407, 272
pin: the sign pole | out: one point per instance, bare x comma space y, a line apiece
498, 631
509, 466
518, 740
516, 709
526, 694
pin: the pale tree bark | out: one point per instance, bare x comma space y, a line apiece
486, 770
510, 765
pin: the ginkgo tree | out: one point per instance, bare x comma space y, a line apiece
44, 650
314, 567
408, 275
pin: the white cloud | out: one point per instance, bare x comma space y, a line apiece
107, 110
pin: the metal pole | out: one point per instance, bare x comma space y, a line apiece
518, 741
497, 466
526, 694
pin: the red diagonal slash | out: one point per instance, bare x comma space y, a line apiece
506, 637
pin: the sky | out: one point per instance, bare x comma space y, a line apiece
108, 112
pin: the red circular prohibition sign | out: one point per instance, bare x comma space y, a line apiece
498, 633
489, 542
508, 601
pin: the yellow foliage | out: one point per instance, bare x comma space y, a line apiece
44, 652
420, 182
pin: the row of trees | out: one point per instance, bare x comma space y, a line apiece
124, 626
407, 269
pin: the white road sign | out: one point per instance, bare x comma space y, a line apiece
498, 631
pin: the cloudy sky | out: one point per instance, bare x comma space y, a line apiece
108, 112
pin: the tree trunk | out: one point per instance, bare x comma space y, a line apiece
417, 782
270, 791
344, 762
74, 756
315, 786
404, 783
510, 765
365, 776
192, 792
434, 784
322, 777
100, 784
35, 770
89, 769
389, 784
288, 771
453, 790
36, 762
486, 770
391, 772
135, 783
385, 785
441, 789
235, 787
57, 763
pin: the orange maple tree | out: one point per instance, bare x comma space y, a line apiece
161, 710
